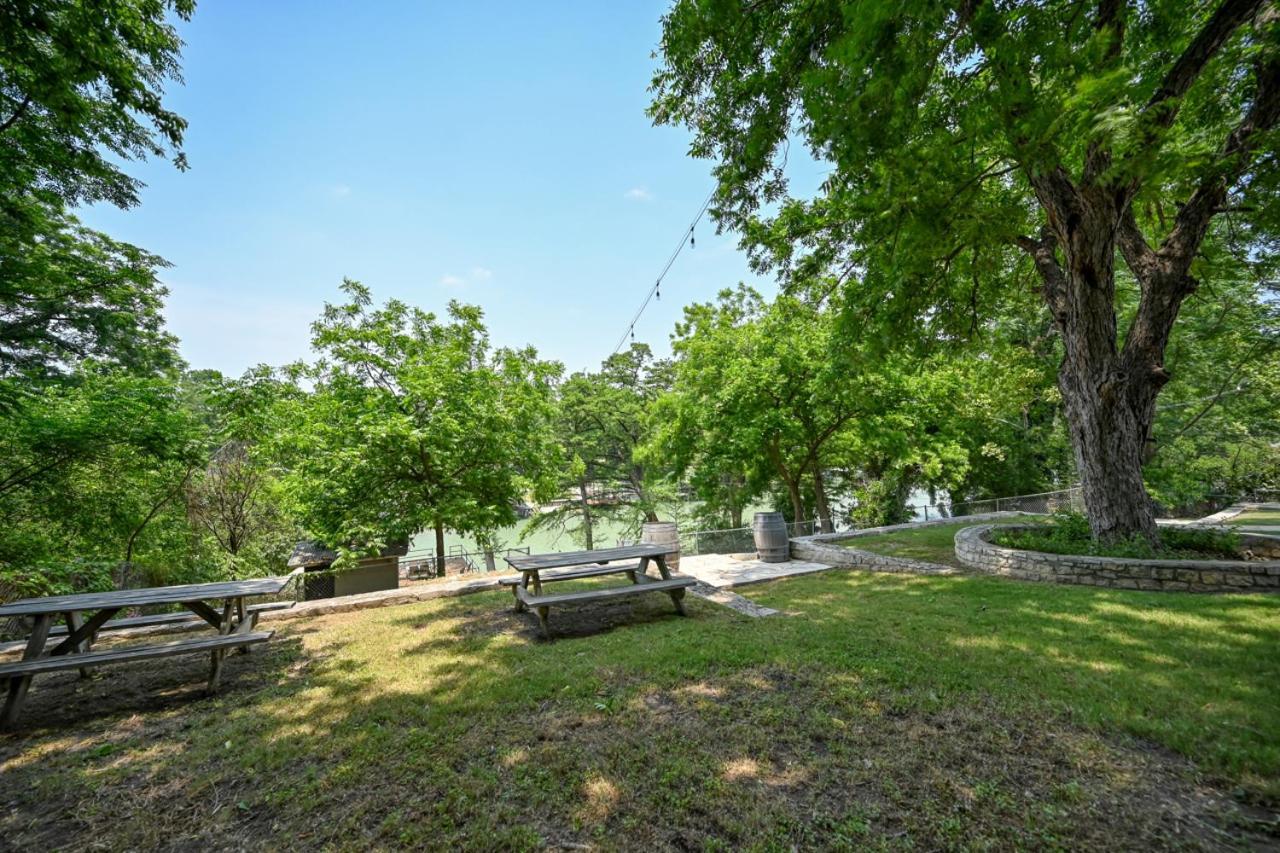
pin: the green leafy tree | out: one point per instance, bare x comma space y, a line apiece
1021, 448
81, 86
771, 394
1216, 432
760, 392
601, 424
69, 293
237, 501
91, 469
979, 148
414, 423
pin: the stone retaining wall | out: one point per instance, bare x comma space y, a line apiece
974, 549
820, 548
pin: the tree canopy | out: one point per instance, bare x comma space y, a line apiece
414, 423
770, 393
81, 92
81, 87
977, 149
601, 424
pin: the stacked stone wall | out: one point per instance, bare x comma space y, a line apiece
975, 549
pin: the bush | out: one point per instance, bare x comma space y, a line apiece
56, 578
1068, 533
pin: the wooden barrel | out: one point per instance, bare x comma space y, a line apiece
770, 532
663, 533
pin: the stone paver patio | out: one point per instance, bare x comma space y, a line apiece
725, 571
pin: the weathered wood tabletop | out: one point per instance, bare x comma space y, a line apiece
121, 598
537, 562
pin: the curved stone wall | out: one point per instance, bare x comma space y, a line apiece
974, 549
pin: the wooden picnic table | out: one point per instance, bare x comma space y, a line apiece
534, 568
88, 614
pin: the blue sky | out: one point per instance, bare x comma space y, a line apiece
496, 153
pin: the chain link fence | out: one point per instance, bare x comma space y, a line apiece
736, 540
1061, 499
1073, 499
422, 564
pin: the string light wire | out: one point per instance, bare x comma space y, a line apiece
686, 238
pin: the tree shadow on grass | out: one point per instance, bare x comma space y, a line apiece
1196, 672
571, 621
449, 723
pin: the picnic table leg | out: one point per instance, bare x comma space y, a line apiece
676, 594
215, 663
18, 684
532, 575
524, 582
73, 624
244, 624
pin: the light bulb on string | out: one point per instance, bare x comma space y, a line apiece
657, 289
693, 243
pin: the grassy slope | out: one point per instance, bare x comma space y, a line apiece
1258, 516
882, 711
931, 543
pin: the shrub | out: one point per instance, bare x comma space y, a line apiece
56, 578
1068, 533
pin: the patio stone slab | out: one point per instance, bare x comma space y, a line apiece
726, 571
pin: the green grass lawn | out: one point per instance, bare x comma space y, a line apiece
931, 543
882, 711
1258, 516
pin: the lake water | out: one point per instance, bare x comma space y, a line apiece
607, 533
544, 541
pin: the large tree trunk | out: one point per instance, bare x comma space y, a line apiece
1109, 429
820, 500
586, 513
440, 566
1109, 404
1110, 390
1109, 395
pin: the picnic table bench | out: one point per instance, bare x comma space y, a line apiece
234, 621
534, 572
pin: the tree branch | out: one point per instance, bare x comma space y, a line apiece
1192, 221
1162, 108
1054, 280
17, 114
1138, 254
155, 508
1110, 20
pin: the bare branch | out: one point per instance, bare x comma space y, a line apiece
1053, 279
1138, 254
